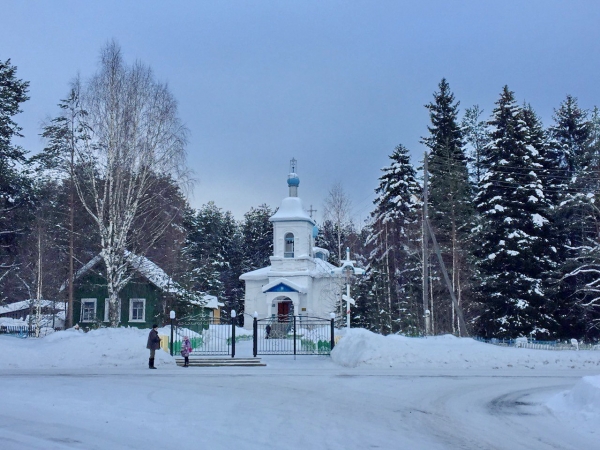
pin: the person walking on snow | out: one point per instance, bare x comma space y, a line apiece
153, 345
186, 349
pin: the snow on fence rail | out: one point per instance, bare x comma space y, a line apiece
26, 331
523, 342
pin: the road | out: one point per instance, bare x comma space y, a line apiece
308, 403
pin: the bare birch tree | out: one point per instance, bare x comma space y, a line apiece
337, 208
135, 141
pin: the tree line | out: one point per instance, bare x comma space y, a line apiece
511, 203
514, 208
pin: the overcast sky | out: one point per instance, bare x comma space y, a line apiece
335, 84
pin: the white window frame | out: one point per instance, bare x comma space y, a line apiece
131, 301
82, 319
106, 319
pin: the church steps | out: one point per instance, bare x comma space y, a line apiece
222, 362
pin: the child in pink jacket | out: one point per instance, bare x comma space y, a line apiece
186, 349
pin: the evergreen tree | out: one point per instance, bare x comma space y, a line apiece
450, 202
476, 134
63, 134
13, 92
512, 256
545, 164
571, 133
577, 220
257, 233
331, 237
15, 186
394, 261
213, 248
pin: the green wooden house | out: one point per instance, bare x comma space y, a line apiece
142, 300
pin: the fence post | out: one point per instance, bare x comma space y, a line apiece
233, 316
332, 336
294, 335
255, 336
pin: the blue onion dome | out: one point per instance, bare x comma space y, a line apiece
293, 180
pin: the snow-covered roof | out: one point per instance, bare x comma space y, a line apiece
26, 304
291, 209
324, 251
208, 301
154, 274
322, 269
158, 277
82, 271
258, 274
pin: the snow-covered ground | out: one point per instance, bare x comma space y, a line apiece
93, 390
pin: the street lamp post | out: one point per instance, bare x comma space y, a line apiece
172, 316
233, 321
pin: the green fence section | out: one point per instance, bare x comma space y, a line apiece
319, 347
241, 337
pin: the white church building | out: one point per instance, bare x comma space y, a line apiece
299, 280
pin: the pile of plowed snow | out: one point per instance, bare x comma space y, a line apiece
105, 347
359, 347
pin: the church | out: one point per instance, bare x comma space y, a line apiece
299, 280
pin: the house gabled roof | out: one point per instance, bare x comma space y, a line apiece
157, 276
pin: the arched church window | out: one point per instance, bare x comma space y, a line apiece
289, 246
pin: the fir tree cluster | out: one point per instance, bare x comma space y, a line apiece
514, 208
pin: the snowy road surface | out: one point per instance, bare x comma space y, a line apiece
308, 403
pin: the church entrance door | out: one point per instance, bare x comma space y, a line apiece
284, 309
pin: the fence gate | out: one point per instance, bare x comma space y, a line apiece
209, 336
293, 335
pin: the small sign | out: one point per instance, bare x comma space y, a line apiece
303, 309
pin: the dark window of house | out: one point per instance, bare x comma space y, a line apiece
88, 309
137, 307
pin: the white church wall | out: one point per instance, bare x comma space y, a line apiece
318, 292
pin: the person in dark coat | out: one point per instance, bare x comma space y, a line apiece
153, 345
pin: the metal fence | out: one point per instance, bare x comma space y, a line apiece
26, 331
540, 345
209, 336
293, 335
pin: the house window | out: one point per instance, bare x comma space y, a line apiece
88, 310
289, 246
106, 309
137, 310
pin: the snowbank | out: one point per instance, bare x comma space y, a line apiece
359, 347
580, 405
126, 347
105, 347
